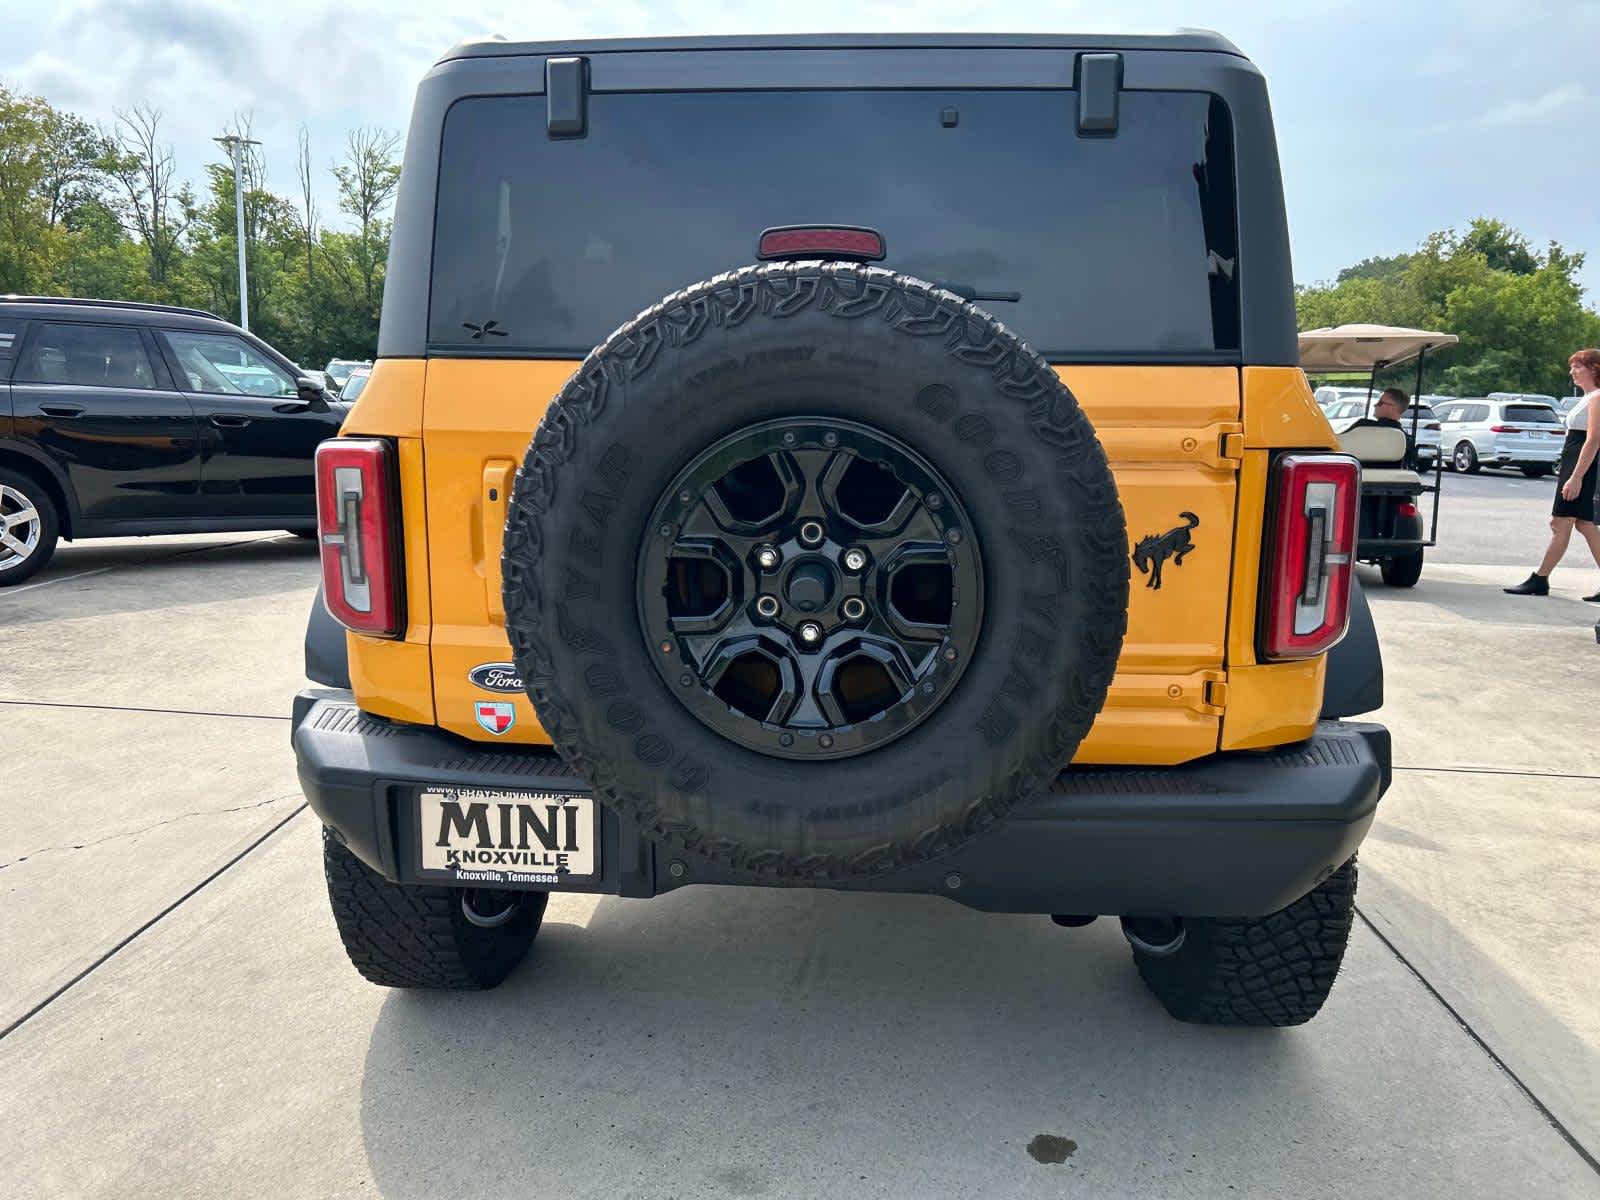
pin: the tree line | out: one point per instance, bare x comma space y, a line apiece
87, 210
1518, 311
96, 211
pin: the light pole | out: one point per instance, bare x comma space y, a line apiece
235, 145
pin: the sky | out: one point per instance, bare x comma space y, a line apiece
1393, 120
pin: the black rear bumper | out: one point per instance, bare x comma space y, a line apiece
1238, 834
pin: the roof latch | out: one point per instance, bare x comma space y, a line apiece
566, 96
1099, 86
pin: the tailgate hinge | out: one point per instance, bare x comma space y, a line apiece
1213, 692
1230, 447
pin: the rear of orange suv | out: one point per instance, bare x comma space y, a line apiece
867, 463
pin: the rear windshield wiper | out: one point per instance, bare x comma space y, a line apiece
968, 292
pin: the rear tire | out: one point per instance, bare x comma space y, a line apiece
1275, 970
20, 496
1465, 459
420, 936
1402, 572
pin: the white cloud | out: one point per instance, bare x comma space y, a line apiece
1382, 138
1542, 110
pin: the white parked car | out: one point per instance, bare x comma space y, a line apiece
1342, 414
1488, 431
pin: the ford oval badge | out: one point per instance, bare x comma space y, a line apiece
496, 677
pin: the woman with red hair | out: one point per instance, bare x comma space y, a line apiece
1575, 481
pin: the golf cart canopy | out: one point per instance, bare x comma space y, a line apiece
1366, 347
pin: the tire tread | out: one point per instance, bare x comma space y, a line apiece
1275, 970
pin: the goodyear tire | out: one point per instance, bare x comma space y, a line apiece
986, 444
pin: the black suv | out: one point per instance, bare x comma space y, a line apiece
119, 418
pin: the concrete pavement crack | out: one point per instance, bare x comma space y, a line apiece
1517, 771
172, 712
112, 837
1555, 1122
194, 891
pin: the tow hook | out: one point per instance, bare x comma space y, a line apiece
1158, 937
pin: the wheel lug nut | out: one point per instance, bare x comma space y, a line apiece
811, 533
854, 608
767, 558
767, 606
810, 633
854, 559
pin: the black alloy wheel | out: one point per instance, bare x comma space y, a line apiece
812, 589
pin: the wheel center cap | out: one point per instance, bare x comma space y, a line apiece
810, 586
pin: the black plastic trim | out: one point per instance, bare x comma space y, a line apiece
327, 654
1099, 90
1203, 40
566, 95
1353, 683
1230, 835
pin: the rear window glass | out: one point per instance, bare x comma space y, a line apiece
1531, 414
1119, 246
8, 341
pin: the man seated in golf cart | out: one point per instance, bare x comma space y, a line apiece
1391, 531
1386, 413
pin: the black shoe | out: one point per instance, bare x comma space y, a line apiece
1533, 585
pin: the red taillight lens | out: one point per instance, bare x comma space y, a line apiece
1434, 425
1310, 554
357, 522
852, 242
1405, 509
1504, 429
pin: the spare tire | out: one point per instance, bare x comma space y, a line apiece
815, 571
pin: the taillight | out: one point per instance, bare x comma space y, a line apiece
1504, 429
1310, 555
1433, 425
1405, 509
357, 521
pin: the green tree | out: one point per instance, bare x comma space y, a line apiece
1518, 312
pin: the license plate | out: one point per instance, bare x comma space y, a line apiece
490, 836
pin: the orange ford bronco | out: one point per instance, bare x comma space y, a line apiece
873, 463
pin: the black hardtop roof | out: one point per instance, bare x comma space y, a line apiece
1198, 40
129, 312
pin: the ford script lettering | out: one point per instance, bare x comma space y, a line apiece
496, 677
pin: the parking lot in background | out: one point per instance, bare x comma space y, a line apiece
179, 1018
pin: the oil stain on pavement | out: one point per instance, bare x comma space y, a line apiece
1048, 1148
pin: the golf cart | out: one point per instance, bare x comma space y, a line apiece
1392, 533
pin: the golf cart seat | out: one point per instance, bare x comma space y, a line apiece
1382, 453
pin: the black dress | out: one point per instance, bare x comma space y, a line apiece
1583, 506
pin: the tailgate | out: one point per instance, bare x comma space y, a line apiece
1173, 435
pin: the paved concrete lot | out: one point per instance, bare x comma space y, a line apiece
180, 1020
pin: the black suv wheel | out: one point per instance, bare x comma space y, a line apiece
1272, 970
423, 936
29, 527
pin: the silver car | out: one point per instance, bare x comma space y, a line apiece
1483, 431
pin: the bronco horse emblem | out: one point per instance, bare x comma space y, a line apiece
1153, 551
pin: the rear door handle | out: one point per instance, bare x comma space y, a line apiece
61, 410
229, 421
